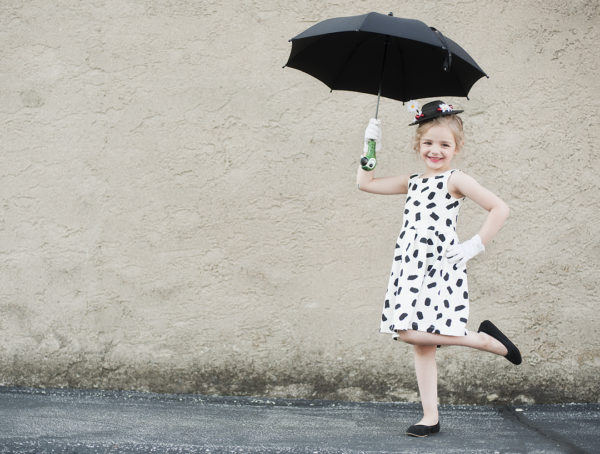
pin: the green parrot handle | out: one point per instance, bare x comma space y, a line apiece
369, 161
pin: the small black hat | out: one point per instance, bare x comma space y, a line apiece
431, 110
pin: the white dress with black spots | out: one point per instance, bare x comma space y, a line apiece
425, 292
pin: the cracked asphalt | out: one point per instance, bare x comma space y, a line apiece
91, 421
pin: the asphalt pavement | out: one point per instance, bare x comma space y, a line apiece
92, 421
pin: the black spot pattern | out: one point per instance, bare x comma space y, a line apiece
414, 300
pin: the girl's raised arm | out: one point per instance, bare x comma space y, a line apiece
365, 180
386, 185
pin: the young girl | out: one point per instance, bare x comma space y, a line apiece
427, 299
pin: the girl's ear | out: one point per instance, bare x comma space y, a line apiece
459, 146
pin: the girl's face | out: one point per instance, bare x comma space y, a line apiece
437, 147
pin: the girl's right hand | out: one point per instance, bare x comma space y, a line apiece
373, 132
463, 252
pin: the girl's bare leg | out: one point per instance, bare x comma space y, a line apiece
480, 341
426, 369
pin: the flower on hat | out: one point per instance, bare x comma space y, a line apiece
413, 106
445, 107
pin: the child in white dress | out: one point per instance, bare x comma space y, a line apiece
427, 299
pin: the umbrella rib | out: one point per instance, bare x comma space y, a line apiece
402, 71
460, 84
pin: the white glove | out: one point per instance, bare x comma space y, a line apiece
463, 252
373, 132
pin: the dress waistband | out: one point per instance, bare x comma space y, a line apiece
428, 227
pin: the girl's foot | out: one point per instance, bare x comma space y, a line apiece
421, 430
428, 421
493, 345
512, 352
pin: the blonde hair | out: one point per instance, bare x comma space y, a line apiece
452, 122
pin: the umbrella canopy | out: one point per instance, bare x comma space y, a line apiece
380, 54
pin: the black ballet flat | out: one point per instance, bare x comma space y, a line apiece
421, 430
513, 355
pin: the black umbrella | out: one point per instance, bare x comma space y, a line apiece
388, 56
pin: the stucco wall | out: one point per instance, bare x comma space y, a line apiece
179, 213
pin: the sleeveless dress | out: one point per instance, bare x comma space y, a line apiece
425, 292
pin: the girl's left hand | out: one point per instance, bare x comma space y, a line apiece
373, 132
463, 252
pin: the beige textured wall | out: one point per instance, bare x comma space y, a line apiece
179, 213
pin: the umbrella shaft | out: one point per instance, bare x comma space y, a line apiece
378, 97
387, 39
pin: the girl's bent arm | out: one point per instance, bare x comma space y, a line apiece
386, 185
498, 210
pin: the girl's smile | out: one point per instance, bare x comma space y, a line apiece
434, 158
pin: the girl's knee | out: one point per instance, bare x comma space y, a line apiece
406, 336
417, 339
